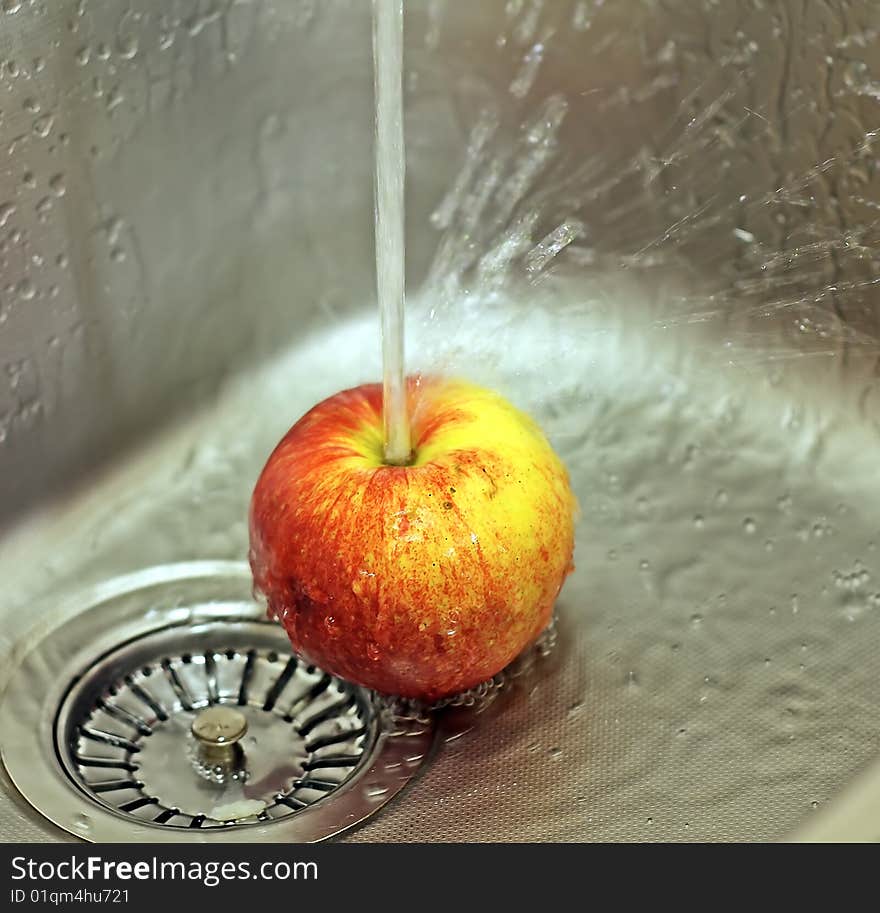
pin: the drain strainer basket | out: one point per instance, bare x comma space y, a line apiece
164, 707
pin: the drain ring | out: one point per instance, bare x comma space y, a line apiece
97, 720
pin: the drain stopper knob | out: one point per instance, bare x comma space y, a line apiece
218, 729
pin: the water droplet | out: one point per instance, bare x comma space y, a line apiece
12, 6
117, 255
721, 497
57, 186
749, 526
814, 804
82, 822
555, 753
114, 228
115, 98
644, 565
43, 208
375, 790
43, 125
26, 289
7, 210
31, 105
83, 55
62, 261
612, 555
127, 46
29, 180
103, 51
699, 521
373, 652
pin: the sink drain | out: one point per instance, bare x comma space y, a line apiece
125, 730
167, 709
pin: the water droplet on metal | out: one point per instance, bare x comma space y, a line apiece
43, 125
127, 46
44, 208
7, 210
26, 289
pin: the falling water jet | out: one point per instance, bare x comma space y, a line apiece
390, 268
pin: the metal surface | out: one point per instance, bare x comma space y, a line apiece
703, 354
115, 758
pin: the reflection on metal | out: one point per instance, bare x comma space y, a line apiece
185, 198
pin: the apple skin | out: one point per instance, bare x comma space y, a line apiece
420, 580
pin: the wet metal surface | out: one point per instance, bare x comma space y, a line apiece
652, 225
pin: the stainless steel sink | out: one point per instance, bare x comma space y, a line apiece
186, 266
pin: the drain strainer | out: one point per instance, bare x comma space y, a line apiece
168, 709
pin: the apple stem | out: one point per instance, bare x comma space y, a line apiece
389, 211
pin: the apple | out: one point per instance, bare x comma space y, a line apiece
420, 580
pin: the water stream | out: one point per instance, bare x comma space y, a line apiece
390, 266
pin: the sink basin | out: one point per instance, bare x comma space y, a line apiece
650, 228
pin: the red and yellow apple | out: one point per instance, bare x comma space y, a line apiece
419, 580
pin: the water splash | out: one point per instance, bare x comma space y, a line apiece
781, 259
